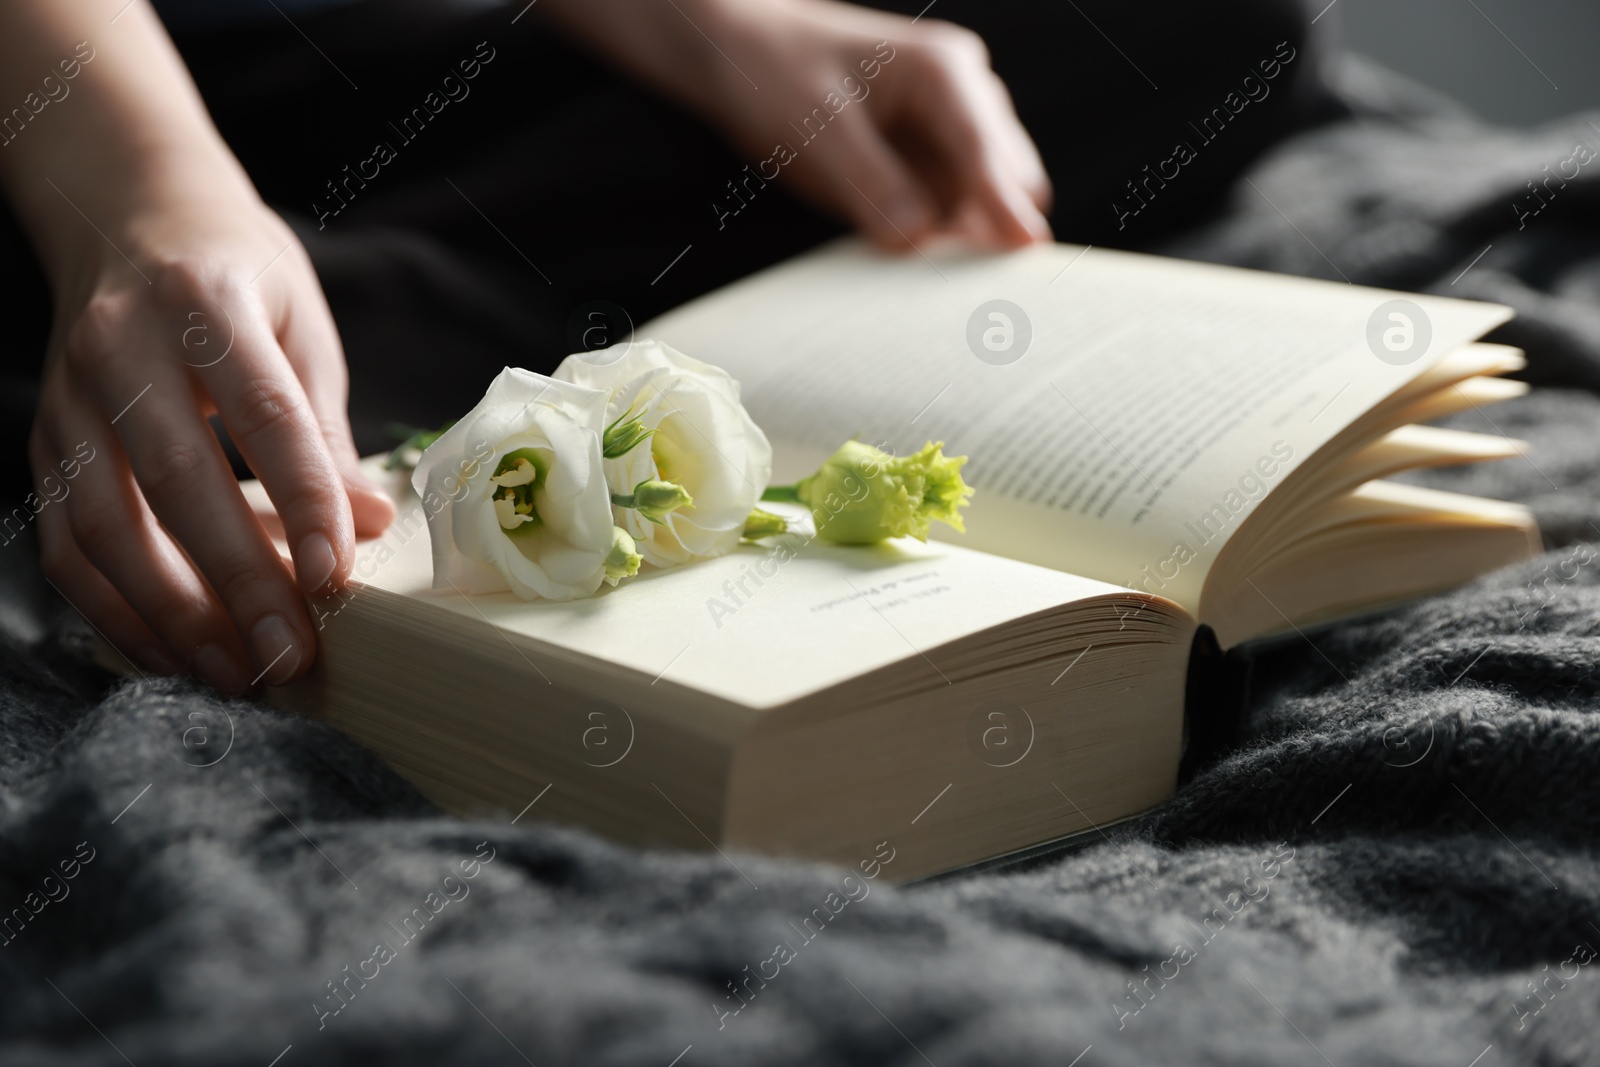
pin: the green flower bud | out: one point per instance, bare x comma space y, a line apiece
623, 562
624, 435
863, 495
761, 524
654, 500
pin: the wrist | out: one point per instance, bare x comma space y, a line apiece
681, 49
111, 208
135, 142
716, 75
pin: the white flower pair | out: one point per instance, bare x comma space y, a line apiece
644, 455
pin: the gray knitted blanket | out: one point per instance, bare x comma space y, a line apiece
1397, 866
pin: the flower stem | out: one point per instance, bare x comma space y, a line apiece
782, 494
412, 439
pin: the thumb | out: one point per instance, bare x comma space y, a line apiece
371, 509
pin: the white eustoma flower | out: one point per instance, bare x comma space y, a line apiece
515, 492
701, 439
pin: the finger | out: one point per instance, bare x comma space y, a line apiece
971, 221
311, 343
1026, 162
104, 550
371, 509
958, 115
184, 477
260, 400
87, 590
870, 183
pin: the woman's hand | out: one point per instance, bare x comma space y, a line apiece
215, 309
178, 295
910, 132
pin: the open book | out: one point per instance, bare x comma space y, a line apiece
1157, 446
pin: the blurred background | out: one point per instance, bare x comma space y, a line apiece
1515, 62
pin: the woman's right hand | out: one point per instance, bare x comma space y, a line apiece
178, 295
197, 300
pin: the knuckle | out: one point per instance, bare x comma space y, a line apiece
955, 44
310, 499
185, 281
92, 336
187, 617
247, 583
95, 525
264, 404
170, 469
183, 616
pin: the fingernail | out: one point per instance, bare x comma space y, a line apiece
277, 650
315, 562
214, 666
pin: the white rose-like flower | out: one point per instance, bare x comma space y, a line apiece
515, 493
702, 439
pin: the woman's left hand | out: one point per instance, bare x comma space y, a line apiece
896, 124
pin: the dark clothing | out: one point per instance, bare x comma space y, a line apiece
184, 15
468, 185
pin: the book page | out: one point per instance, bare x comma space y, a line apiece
1122, 416
762, 626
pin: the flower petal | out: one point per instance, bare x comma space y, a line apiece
563, 555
